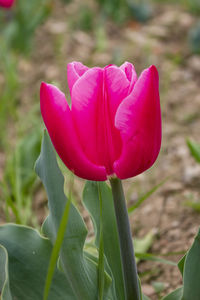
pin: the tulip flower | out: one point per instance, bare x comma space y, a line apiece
6, 3
113, 128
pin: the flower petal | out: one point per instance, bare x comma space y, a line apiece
117, 87
74, 71
138, 119
6, 3
130, 72
87, 114
58, 120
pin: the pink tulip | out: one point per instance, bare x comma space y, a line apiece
6, 3
114, 125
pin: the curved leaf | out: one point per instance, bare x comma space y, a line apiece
4, 277
81, 272
191, 272
28, 259
175, 295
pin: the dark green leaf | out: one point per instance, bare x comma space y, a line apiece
191, 273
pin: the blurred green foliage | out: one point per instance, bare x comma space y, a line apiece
193, 5
9, 88
117, 9
18, 25
141, 11
19, 179
84, 19
195, 152
122, 10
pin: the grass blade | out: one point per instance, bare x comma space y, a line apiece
145, 196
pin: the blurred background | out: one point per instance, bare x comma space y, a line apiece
37, 40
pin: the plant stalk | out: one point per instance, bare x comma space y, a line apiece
125, 240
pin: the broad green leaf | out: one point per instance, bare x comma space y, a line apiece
4, 276
175, 295
28, 259
81, 272
110, 233
194, 150
191, 273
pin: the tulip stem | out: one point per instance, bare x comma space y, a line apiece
125, 240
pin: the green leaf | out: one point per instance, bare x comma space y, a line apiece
142, 296
158, 286
56, 250
146, 196
148, 256
194, 150
101, 249
191, 273
110, 234
27, 256
175, 295
81, 271
181, 264
4, 275
142, 245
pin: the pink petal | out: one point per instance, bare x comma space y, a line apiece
6, 3
58, 120
95, 99
130, 72
138, 119
117, 87
74, 71
86, 104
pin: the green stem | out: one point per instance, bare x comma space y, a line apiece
125, 239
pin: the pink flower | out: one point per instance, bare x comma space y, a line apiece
6, 3
114, 124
